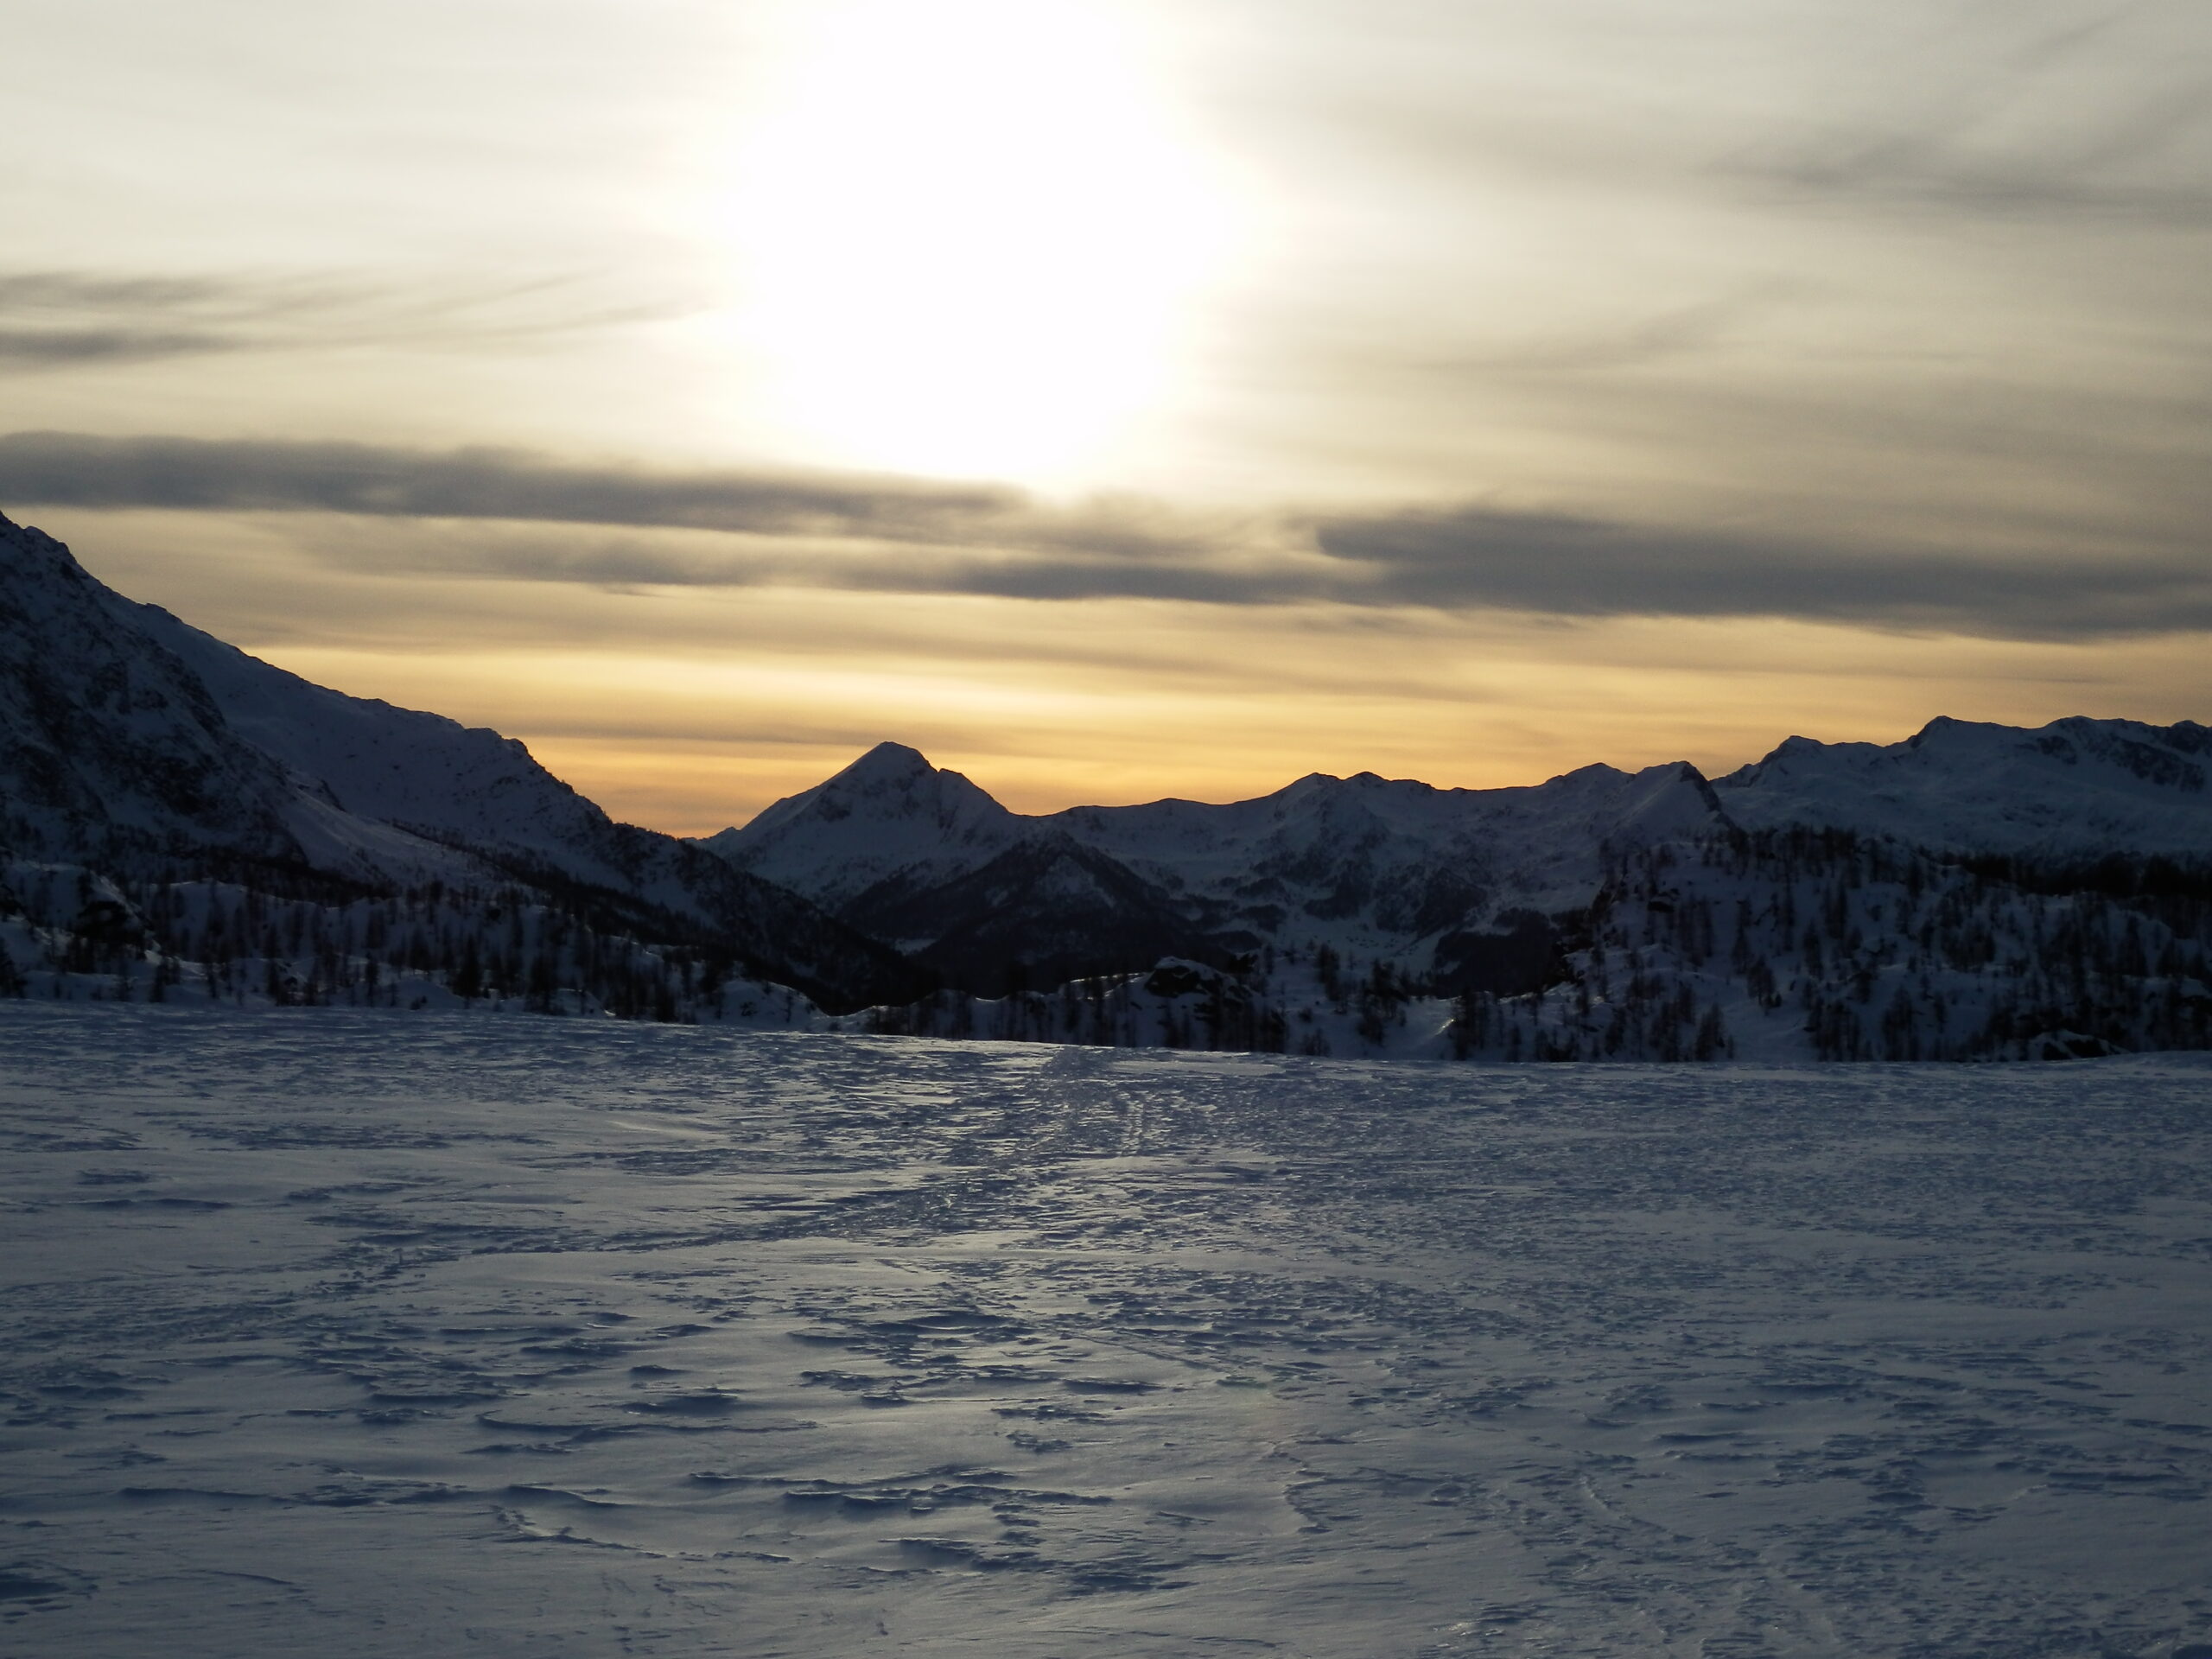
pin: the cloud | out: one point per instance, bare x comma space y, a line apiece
518, 516
204, 474
63, 319
77, 291
51, 348
1935, 172
1476, 556
2102, 120
1680, 331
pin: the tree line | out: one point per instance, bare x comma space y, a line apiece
1779, 942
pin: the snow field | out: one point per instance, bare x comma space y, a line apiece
328, 1332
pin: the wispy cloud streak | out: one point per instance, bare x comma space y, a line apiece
52, 320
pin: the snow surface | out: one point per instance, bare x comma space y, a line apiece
349, 1334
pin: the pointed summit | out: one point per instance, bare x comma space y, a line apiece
890, 813
886, 763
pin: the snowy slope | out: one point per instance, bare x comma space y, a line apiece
118, 716
391, 765
383, 768
2077, 788
104, 733
131, 741
1047, 909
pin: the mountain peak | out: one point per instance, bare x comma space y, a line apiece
887, 763
889, 813
29, 542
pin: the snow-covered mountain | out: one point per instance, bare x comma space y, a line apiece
889, 816
1456, 882
1373, 864
360, 768
922, 859
1434, 877
2075, 789
129, 741
105, 735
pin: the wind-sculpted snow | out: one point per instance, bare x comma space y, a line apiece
341, 1334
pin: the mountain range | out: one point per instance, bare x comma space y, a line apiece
180, 819
1440, 880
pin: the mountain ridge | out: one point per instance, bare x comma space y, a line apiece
129, 738
178, 819
1437, 876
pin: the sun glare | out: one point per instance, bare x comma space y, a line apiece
968, 238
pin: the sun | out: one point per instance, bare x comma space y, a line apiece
966, 236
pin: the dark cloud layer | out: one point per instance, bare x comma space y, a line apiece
204, 474
899, 535
57, 347
1578, 567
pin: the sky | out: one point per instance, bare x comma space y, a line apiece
1114, 398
